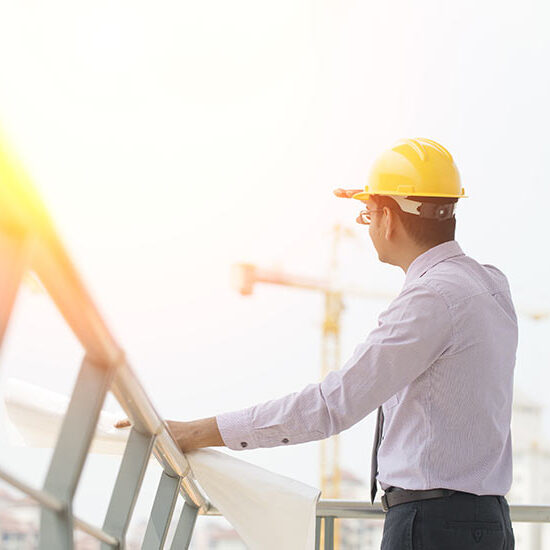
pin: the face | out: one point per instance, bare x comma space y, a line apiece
388, 235
376, 232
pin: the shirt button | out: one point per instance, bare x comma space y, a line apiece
244, 444
285, 440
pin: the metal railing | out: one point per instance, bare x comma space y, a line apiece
331, 509
28, 241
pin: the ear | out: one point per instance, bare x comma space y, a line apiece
391, 222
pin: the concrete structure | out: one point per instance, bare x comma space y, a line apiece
19, 518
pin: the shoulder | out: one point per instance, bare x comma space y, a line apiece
462, 277
418, 299
418, 313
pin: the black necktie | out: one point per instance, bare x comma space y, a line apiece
374, 459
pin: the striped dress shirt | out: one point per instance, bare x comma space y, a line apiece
441, 364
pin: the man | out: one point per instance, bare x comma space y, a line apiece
439, 368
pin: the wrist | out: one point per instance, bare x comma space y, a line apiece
196, 434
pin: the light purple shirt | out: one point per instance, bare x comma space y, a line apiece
441, 361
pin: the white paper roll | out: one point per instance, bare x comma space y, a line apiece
269, 511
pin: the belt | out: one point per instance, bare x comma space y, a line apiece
395, 495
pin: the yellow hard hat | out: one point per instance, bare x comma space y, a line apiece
414, 168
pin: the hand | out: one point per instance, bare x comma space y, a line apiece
173, 427
196, 434
190, 435
346, 193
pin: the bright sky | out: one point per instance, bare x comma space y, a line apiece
172, 140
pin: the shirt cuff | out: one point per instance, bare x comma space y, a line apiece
236, 430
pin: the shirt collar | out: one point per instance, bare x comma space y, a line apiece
431, 257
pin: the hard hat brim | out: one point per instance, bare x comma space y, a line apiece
364, 196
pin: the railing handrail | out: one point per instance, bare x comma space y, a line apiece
52, 265
363, 509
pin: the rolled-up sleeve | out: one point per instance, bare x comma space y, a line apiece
412, 333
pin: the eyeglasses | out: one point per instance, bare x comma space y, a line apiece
364, 216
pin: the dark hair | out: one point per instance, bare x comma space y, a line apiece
421, 230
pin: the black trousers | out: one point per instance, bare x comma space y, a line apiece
457, 522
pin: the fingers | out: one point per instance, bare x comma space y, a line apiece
123, 423
346, 193
172, 426
175, 431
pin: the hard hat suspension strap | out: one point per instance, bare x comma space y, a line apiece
426, 210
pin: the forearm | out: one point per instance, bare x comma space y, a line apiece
196, 433
295, 418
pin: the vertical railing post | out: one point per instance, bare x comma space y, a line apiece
128, 483
184, 530
318, 532
329, 533
161, 513
77, 431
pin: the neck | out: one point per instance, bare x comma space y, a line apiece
410, 254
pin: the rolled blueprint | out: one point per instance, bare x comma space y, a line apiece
269, 511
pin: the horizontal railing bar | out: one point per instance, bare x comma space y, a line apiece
530, 514
349, 509
96, 532
337, 508
41, 497
52, 503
